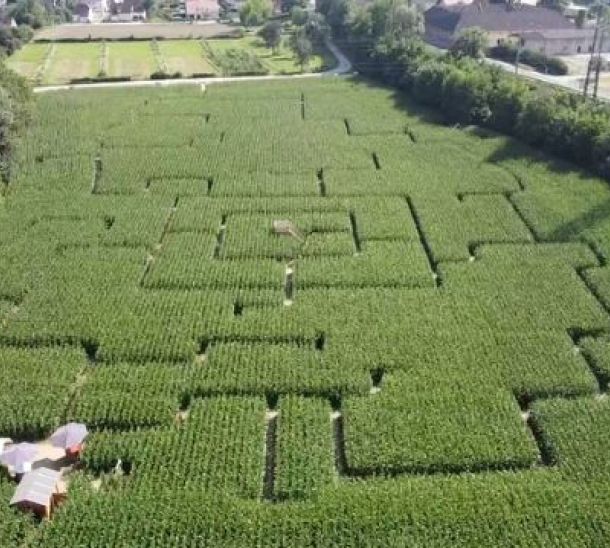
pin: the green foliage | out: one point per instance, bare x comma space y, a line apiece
271, 33
302, 46
471, 42
304, 447
254, 12
413, 424
298, 16
539, 61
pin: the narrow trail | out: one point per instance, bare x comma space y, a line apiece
344, 66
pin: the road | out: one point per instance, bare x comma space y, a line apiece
571, 82
344, 66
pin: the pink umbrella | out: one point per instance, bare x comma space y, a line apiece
69, 435
19, 456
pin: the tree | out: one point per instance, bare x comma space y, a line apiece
302, 47
581, 17
271, 33
336, 13
298, 16
255, 12
316, 28
289, 5
394, 19
470, 43
30, 12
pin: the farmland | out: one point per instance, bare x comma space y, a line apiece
70, 62
427, 366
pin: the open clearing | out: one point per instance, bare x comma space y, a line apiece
426, 366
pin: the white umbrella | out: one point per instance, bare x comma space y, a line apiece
19, 456
69, 435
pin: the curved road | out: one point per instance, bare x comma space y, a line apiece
344, 66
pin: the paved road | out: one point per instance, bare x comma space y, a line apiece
570, 82
344, 66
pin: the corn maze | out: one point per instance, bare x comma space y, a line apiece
427, 366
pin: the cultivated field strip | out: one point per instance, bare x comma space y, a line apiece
434, 342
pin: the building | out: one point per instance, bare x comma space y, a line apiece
124, 11
90, 11
201, 9
39, 491
538, 28
562, 42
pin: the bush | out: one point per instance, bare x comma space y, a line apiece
96, 79
536, 60
162, 75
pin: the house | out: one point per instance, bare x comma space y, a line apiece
539, 28
127, 10
39, 491
201, 9
81, 13
90, 11
563, 42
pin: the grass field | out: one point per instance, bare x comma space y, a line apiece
71, 61
61, 63
426, 366
185, 56
134, 59
28, 61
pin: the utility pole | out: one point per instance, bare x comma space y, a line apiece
598, 66
590, 65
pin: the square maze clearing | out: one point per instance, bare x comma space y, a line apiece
424, 364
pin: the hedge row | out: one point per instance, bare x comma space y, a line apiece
535, 59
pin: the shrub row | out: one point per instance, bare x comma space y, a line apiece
535, 59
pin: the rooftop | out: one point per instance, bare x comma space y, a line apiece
37, 486
496, 17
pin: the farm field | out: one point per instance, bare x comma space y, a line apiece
63, 63
427, 366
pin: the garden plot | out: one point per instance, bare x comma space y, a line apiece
135, 60
186, 57
71, 62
